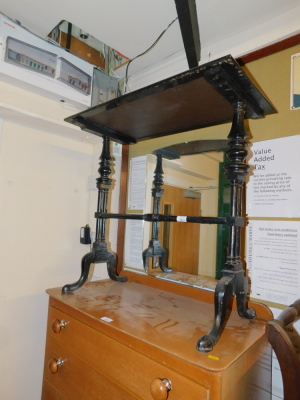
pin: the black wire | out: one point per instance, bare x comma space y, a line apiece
150, 48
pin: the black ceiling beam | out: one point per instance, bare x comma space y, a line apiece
188, 21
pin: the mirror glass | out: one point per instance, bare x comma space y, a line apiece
193, 185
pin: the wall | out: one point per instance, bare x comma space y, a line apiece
45, 197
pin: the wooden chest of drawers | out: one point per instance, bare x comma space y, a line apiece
111, 340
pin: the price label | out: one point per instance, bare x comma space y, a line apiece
181, 218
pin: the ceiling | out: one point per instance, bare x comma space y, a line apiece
226, 26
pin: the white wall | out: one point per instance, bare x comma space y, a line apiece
45, 198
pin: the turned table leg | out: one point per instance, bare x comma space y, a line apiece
99, 252
154, 249
233, 281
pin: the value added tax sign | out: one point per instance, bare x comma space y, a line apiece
273, 187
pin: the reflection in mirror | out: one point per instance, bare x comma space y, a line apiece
191, 188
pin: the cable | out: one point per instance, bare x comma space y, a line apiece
146, 51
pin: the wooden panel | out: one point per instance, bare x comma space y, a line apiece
50, 393
270, 49
190, 100
135, 371
286, 348
251, 377
184, 237
185, 115
82, 49
262, 311
76, 380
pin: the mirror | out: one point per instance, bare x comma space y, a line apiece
191, 188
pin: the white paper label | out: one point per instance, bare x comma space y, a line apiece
181, 218
106, 319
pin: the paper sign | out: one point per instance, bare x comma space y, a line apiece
137, 183
273, 189
273, 260
134, 244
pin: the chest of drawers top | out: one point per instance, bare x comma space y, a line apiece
163, 321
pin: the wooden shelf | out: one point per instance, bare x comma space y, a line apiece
200, 97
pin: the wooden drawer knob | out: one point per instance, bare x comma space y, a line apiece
159, 388
57, 325
54, 365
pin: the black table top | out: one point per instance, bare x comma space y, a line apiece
200, 97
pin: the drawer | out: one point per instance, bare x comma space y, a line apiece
76, 380
50, 393
132, 370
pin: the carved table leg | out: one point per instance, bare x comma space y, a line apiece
223, 291
86, 262
241, 290
233, 280
154, 249
99, 252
